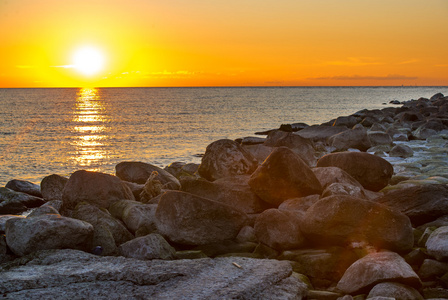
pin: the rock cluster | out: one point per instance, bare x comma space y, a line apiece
356, 208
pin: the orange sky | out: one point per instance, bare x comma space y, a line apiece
225, 43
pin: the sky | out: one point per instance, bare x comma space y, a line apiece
223, 43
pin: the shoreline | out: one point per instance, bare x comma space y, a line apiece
353, 208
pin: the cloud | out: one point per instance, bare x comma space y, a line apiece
358, 77
170, 74
442, 65
407, 62
354, 62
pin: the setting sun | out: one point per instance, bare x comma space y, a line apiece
88, 61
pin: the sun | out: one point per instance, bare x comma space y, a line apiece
88, 60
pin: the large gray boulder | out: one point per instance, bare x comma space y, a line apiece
151, 246
188, 219
437, 243
95, 188
375, 268
330, 175
224, 158
135, 215
341, 220
52, 186
26, 235
102, 219
67, 274
320, 133
12, 202
354, 138
422, 203
401, 150
377, 138
139, 172
279, 229
322, 266
24, 186
371, 171
283, 175
394, 290
300, 145
234, 191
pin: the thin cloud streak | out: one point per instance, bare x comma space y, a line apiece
354, 62
358, 77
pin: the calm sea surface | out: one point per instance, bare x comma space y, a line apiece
59, 131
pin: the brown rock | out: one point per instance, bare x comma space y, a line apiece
95, 188
279, 229
342, 220
371, 171
188, 219
225, 158
282, 176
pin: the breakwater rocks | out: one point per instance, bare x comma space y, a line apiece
356, 208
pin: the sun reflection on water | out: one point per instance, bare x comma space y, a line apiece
89, 129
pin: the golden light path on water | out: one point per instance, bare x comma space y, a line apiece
90, 125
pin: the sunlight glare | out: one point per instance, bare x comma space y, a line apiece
88, 60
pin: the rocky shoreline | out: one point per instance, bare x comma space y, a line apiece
355, 208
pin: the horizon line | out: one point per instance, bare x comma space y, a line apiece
232, 86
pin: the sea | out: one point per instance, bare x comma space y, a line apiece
48, 131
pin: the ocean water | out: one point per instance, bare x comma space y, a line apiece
59, 131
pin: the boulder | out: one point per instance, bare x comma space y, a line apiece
135, 215
437, 243
431, 269
234, 191
422, 203
329, 175
225, 158
12, 202
252, 140
43, 210
354, 138
279, 229
260, 151
135, 188
375, 268
139, 172
339, 188
26, 235
371, 171
299, 205
322, 266
347, 121
24, 186
320, 132
151, 246
379, 138
181, 169
394, 290
300, 145
246, 234
188, 219
342, 220
283, 175
67, 274
4, 218
5, 255
101, 217
52, 186
401, 150
95, 188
